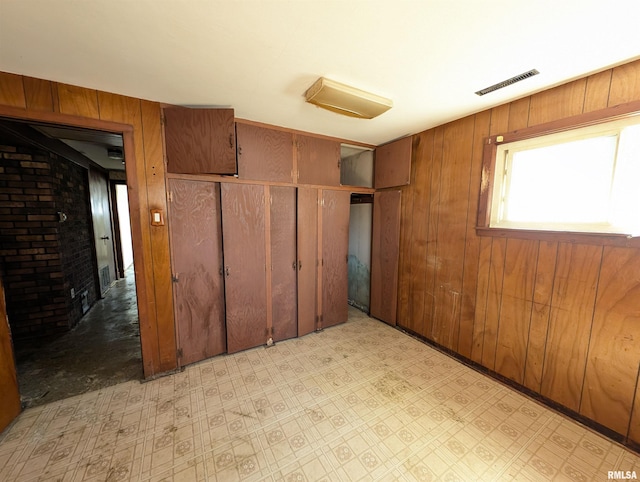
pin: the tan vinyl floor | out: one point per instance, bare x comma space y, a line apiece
360, 401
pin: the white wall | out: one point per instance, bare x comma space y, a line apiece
122, 201
359, 267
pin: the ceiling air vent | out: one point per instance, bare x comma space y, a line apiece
507, 82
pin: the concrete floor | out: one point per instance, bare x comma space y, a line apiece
102, 350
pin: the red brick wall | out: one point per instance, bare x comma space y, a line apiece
40, 257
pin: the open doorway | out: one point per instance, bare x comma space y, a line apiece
72, 307
356, 169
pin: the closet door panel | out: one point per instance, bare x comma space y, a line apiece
393, 164
335, 248
307, 259
243, 227
264, 154
196, 255
200, 141
283, 262
318, 161
385, 250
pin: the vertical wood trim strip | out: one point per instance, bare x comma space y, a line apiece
320, 262
268, 263
473, 242
423, 156
403, 317
433, 208
159, 235
541, 309
633, 430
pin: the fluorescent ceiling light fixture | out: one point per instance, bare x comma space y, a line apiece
346, 100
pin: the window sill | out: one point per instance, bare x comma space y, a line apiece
598, 239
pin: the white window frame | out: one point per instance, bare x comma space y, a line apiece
607, 120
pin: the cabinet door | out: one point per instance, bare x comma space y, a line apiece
200, 141
318, 161
307, 259
196, 256
264, 154
243, 227
392, 165
283, 262
385, 246
335, 249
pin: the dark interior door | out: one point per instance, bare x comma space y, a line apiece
335, 249
385, 249
9, 394
196, 255
243, 225
283, 262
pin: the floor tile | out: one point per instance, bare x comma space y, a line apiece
360, 401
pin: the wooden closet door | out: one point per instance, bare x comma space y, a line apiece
307, 259
318, 161
335, 249
392, 165
196, 255
264, 154
283, 262
385, 246
200, 141
244, 241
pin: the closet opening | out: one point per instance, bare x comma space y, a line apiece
356, 169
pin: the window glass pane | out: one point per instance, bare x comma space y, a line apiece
563, 183
625, 211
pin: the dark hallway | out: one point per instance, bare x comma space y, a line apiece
102, 350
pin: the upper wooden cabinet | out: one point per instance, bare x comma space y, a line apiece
318, 161
200, 141
264, 154
393, 164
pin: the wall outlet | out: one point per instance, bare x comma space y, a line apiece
73, 293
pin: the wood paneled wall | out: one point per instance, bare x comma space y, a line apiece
561, 319
139, 121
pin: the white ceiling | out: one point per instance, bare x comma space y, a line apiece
260, 56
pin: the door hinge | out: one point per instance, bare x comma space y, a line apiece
174, 278
179, 353
170, 196
163, 120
